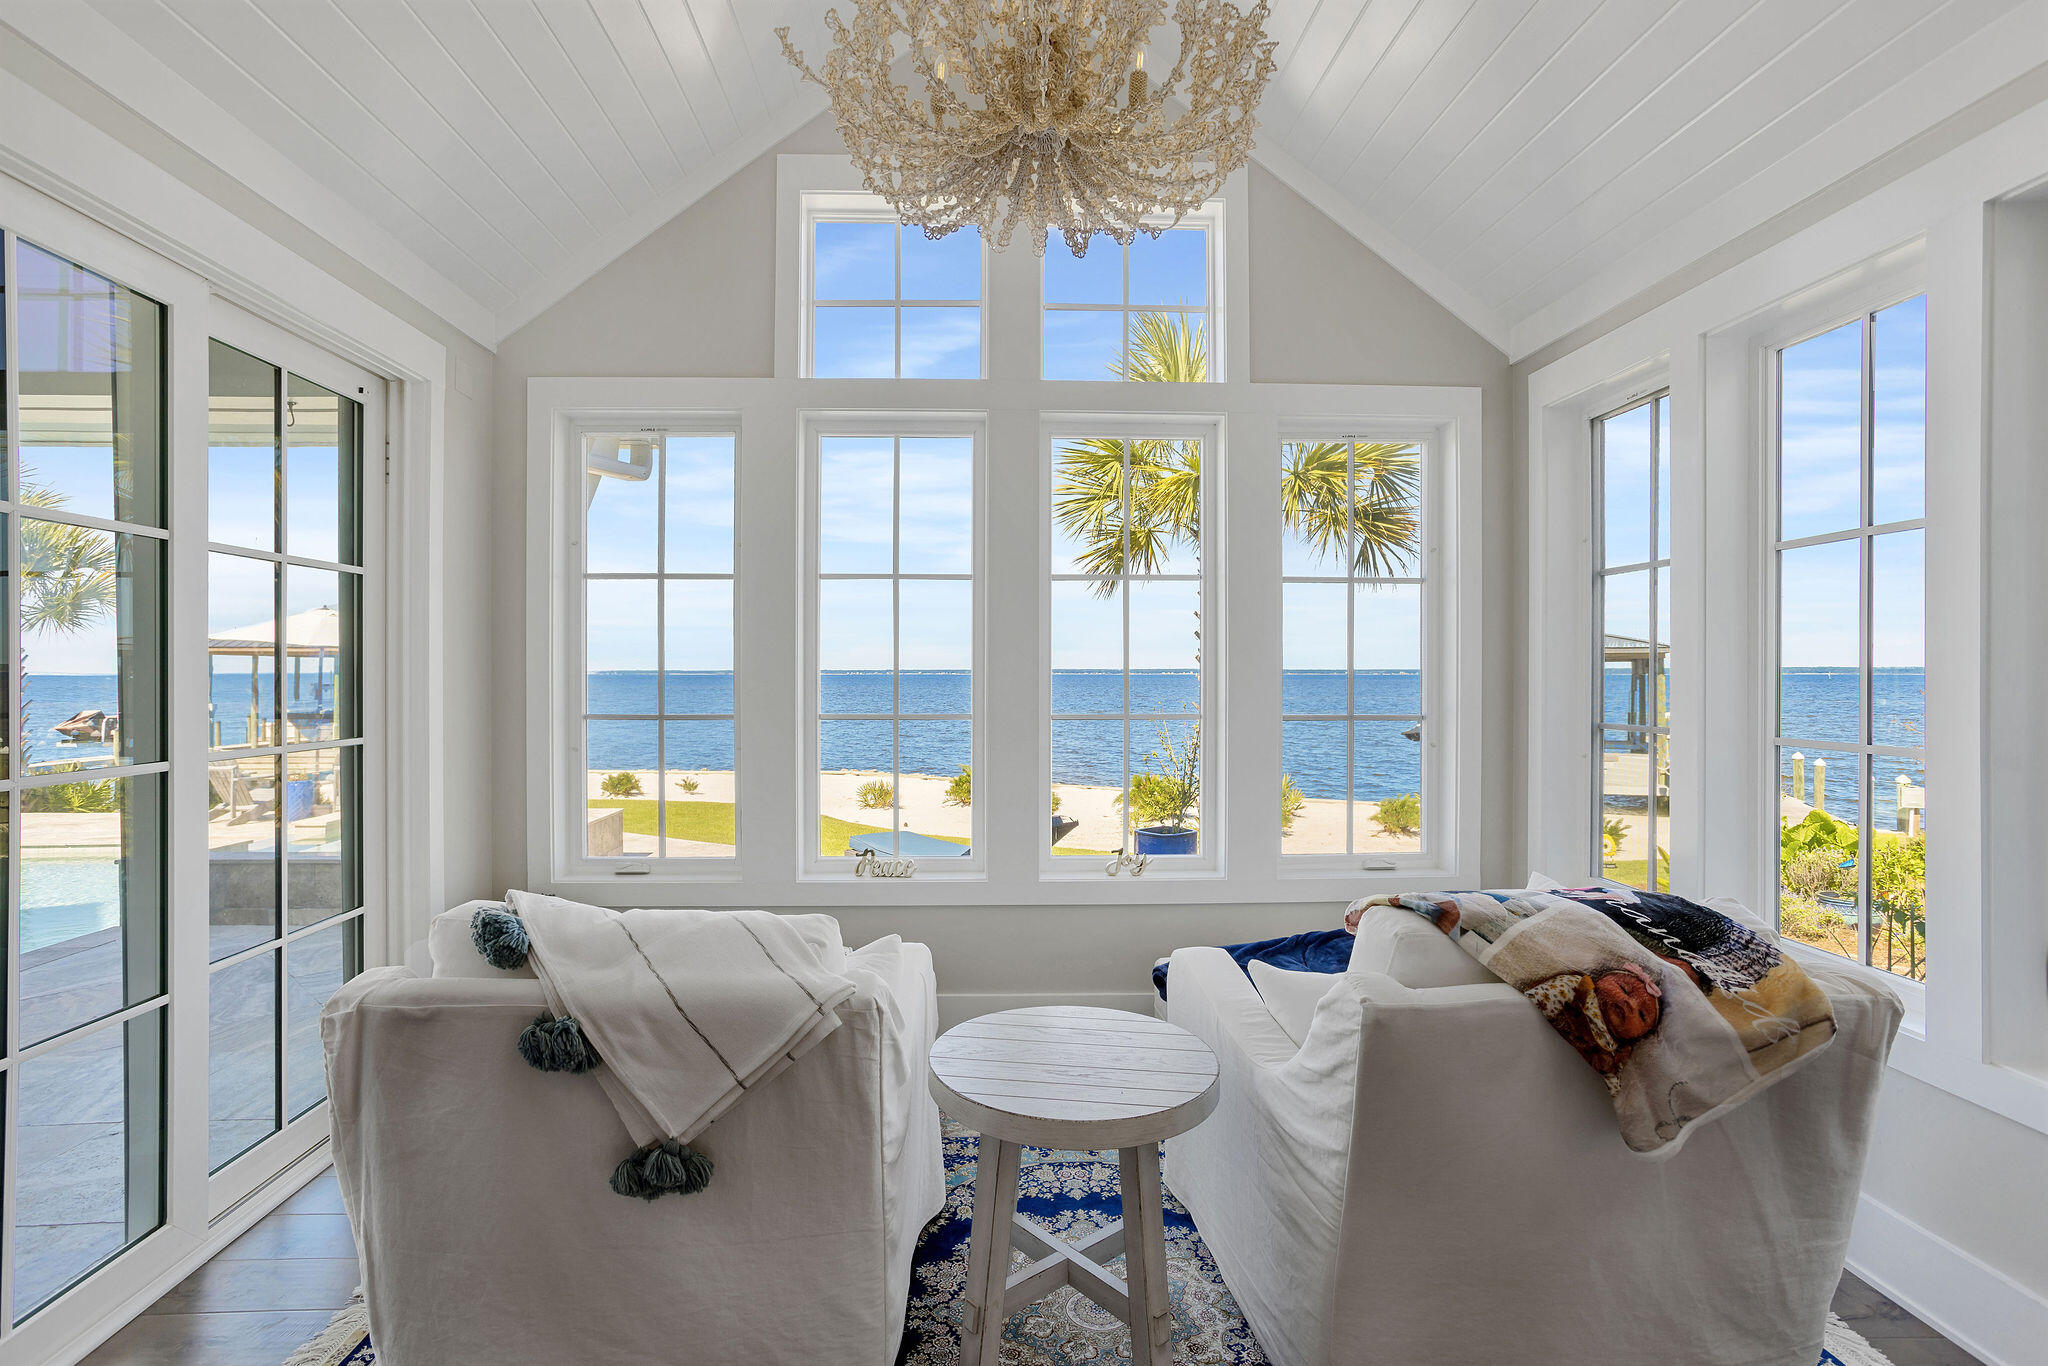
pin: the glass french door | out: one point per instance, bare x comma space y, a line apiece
83, 770
287, 590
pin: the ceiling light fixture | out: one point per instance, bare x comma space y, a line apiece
1039, 113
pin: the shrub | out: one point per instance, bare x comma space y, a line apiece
1819, 831
1291, 802
1811, 873
875, 795
960, 791
620, 785
70, 797
687, 785
1172, 793
1400, 815
1055, 801
1613, 831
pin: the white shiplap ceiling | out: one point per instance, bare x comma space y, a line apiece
1529, 162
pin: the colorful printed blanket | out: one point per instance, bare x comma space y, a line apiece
1683, 1012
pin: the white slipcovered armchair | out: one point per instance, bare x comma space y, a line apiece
487, 1232
1433, 1175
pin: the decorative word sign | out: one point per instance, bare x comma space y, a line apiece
1127, 862
872, 864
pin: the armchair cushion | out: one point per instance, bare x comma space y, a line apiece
1291, 994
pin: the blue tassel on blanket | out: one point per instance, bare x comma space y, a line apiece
553, 1045
664, 1167
500, 938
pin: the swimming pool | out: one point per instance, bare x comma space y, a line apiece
64, 898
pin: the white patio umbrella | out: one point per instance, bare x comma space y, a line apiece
313, 634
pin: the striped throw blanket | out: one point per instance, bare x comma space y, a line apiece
677, 1014
1682, 1011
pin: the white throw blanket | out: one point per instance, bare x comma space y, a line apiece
686, 1010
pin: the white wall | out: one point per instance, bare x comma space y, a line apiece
697, 299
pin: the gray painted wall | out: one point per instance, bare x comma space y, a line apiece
697, 299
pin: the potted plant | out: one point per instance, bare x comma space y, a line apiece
1166, 799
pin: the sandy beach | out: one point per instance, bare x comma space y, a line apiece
1318, 827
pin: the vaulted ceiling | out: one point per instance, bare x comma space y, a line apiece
1529, 162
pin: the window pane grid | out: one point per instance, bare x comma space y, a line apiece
886, 328
1147, 735
83, 438
1349, 764
927, 484
285, 817
1631, 463
1157, 338
1850, 607
679, 512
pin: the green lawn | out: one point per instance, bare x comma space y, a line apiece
1632, 872
712, 823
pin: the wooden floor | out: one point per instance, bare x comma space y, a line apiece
279, 1284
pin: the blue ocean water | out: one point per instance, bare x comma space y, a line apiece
48, 699
1818, 705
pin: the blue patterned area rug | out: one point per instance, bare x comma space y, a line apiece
1070, 1193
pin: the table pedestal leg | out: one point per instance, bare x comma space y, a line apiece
988, 1253
1151, 1306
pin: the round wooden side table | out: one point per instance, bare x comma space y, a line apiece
1075, 1077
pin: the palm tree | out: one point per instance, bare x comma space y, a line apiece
69, 580
1129, 503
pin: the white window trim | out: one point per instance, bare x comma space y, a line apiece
141, 222
1439, 486
569, 761
1985, 987
769, 647
974, 866
1215, 741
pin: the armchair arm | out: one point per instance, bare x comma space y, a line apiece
1209, 996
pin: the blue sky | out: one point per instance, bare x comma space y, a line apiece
622, 538
858, 261
1822, 491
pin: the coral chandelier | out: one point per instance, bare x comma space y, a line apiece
1039, 113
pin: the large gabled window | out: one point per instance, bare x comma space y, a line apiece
1849, 571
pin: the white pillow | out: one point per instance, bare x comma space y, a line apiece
1543, 882
1292, 996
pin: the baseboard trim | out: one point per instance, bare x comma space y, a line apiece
958, 1006
1972, 1304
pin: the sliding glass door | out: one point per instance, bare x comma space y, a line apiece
189, 759
285, 733
82, 770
